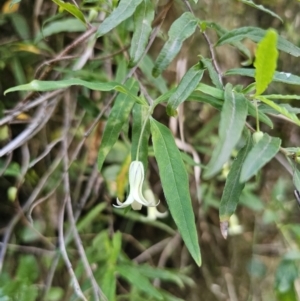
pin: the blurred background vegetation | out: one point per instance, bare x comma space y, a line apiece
134, 256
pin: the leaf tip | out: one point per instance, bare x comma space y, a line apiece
224, 228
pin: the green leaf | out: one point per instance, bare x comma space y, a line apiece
202, 97
139, 281
214, 92
117, 117
39, 85
217, 101
88, 105
143, 18
140, 115
212, 72
108, 283
179, 31
282, 77
165, 275
186, 86
286, 274
260, 154
72, 9
233, 117
137, 217
146, 65
256, 34
262, 8
65, 25
90, 217
282, 110
233, 188
280, 96
266, 61
175, 185
220, 30
21, 25
124, 10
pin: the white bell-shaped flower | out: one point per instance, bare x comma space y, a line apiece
135, 197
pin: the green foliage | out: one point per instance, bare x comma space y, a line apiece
257, 34
72, 9
233, 117
179, 31
233, 187
143, 17
118, 116
186, 86
175, 185
265, 61
106, 115
261, 7
261, 153
124, 10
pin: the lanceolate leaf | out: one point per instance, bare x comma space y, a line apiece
214, 92
256, 34
65, 25
131, 274
140, 115
233, 188
218, 94
260, 154
233, 117
71, 8
186, 86
280, 109
146, 65
143, 18
265, 61
124, 10
117, 117
262, 8
175, 185
280, 96
39, 85
180, 30
220, 30
282, 77
212, 72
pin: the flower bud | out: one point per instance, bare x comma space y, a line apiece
257, 136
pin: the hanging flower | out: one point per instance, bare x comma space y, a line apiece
152, 212
135, 197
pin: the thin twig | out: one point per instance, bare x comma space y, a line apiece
96, 289
154, 249
46, 151
29, 249
25, 207
64, 253
210, 45
67, 200
52, 61
169, 249
26, 107
41, 118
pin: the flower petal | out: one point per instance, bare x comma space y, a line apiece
136, 205
128, 202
